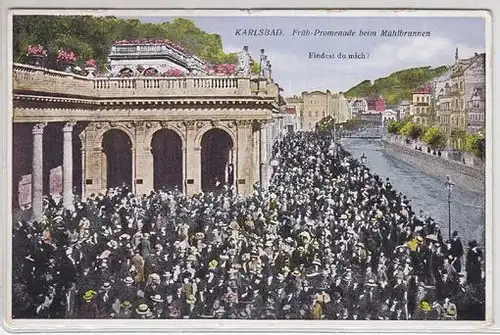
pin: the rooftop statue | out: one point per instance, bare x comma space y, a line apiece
244, 62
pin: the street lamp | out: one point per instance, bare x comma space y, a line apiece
449, 185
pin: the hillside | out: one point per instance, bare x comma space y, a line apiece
90, 37
397, 86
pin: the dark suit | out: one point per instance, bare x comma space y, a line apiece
473, 266
457, 251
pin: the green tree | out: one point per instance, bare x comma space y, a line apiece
397, 86
458, 138
255, 68
393, 127
352, 124
91, 37
326, 124
412, 130
435, 138
476, 144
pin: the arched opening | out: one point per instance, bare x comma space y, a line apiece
166, 147
126, 72
22, 161
217, 168
117, 147
150, 72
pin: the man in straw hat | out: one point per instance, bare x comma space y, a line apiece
89, 309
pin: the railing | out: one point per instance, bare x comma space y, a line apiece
137, 50
34, 80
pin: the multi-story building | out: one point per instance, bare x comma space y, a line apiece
290, 120
297, 104
315, 108
338, 107
317, 105
476, 111
422, 105
438, 88
404, 109
359, 106
376, 104
461, 100
389, 115
445, 99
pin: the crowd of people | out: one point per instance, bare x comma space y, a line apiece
327, 240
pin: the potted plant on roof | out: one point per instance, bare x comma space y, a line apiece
90, 67
66, 60
36, 54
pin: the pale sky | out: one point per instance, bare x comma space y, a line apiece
295, 72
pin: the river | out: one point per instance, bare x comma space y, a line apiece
425, 192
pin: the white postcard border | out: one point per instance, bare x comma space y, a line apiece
253, 326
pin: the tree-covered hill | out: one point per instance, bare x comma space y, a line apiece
90, 37
398, 85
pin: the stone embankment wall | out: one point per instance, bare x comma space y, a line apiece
465, 176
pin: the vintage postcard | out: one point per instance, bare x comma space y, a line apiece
276, 167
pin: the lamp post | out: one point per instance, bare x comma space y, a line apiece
449, 185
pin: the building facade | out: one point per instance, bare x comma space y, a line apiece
375, 104
359, 106
461, 100
314, 108
389, 115
422, 106
297, 104
317, 105
79, 135
338, 107
404, 110
290, 120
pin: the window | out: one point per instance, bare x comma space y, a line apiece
418, 99
316, 113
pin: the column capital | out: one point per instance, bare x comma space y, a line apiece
38, 128
68, 126
190, 124
244, 123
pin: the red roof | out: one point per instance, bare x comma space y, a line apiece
291, 110
423, 90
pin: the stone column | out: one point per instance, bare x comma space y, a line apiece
192, 160
264, 160
37, 171
68, 165
144, 163
244, 164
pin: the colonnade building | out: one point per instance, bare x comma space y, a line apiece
77, 134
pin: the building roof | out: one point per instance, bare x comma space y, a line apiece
444, 77
463, 64
290, 110
314, 93
374, 98
424, 89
